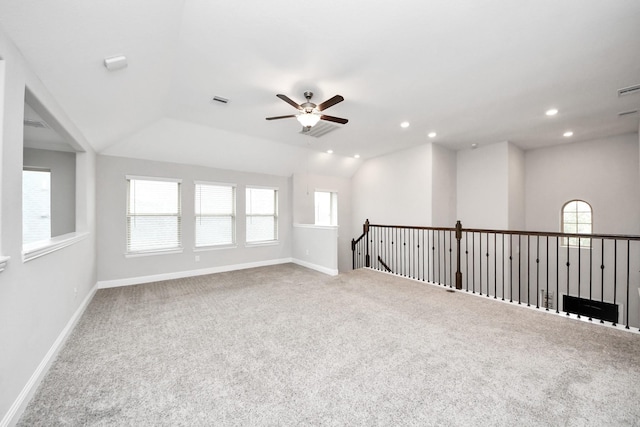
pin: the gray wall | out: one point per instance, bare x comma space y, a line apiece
443, 176
602, 172
40, 297
394, 189
111, 204
482, 186
63, 186
304, 186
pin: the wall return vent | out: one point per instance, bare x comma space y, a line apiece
629, 90
322, 128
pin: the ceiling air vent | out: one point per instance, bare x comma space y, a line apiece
35, 124
629, 90
627, 113
322, 128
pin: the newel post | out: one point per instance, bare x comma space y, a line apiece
365, 231
458, 246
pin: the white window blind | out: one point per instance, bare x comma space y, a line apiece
36, 205
262, 214
215, 214
326, 207
153, 215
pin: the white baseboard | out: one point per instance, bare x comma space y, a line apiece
104, 284
321, 269
19, 405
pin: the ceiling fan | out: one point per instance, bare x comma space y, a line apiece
309, 114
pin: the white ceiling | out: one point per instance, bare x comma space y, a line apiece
474, 72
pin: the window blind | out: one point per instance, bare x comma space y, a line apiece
262, 214
215, 214
153, 215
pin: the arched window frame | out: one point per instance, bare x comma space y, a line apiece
576, 217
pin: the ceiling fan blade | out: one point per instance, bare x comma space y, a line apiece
281, 117
334, 119
288, 100
330, 102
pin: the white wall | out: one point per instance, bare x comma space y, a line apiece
39, 298
394, 189
443, 177
304, 186
604, 173
114, 266
482, 187
516, 189
316, 247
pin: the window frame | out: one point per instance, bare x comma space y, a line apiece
156, 251
233, 216
275, 216
576, 242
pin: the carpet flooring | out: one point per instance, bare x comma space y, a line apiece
284, 345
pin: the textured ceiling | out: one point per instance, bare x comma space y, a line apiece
474, 72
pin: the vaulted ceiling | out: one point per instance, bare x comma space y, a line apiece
474, 72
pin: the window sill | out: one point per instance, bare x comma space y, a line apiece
318, 226
152, 253
35, 250
214, 248
257, 244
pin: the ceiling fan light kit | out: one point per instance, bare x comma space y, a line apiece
309, 113
308, 119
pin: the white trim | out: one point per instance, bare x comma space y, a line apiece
319, 227
216, 184
215, 247
321, 269
104, 284
19, 405
5, 259
153, 178
37, 249
261, 243
260, 187
153, 252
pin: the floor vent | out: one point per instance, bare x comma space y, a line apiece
629, 90
591, 308
322, 128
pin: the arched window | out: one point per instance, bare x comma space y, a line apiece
577, 217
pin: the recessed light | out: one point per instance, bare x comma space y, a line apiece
474, 146
567, 134
404, 124
551, 112
330, 151
357, 156
432, 134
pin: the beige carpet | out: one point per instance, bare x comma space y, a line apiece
285, 345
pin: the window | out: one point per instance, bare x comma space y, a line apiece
153, 214
36, 205
215, 214
326, 204
577, 218
262, 214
